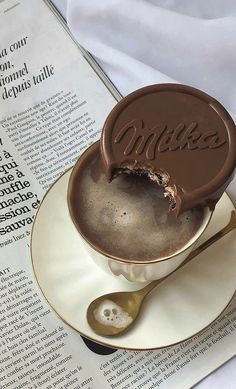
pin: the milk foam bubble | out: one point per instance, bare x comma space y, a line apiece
109, 313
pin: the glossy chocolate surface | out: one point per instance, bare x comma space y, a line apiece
182, 137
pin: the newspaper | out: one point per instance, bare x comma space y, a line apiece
53, 102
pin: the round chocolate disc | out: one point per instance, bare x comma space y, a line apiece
179, 136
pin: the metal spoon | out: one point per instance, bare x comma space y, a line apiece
120, 309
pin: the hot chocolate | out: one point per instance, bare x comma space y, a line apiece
128, 218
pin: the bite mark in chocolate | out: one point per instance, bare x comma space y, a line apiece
179, 137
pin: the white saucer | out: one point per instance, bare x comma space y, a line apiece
179, 308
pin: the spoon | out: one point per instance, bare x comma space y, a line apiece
113, 313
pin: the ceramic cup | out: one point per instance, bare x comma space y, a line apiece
132, 270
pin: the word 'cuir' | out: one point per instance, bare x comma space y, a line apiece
160, 138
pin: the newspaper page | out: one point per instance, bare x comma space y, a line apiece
52, 106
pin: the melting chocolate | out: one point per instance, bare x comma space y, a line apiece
179, 136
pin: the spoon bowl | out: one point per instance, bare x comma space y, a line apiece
121, 303
114, 313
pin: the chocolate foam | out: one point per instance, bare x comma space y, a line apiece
179, 136
128, 218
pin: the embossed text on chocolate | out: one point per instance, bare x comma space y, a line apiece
160, 138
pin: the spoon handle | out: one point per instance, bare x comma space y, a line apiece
229, 227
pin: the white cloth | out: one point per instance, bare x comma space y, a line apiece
142, 42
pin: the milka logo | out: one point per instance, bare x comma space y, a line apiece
160, 138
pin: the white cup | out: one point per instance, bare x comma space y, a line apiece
146, 271
136, 271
